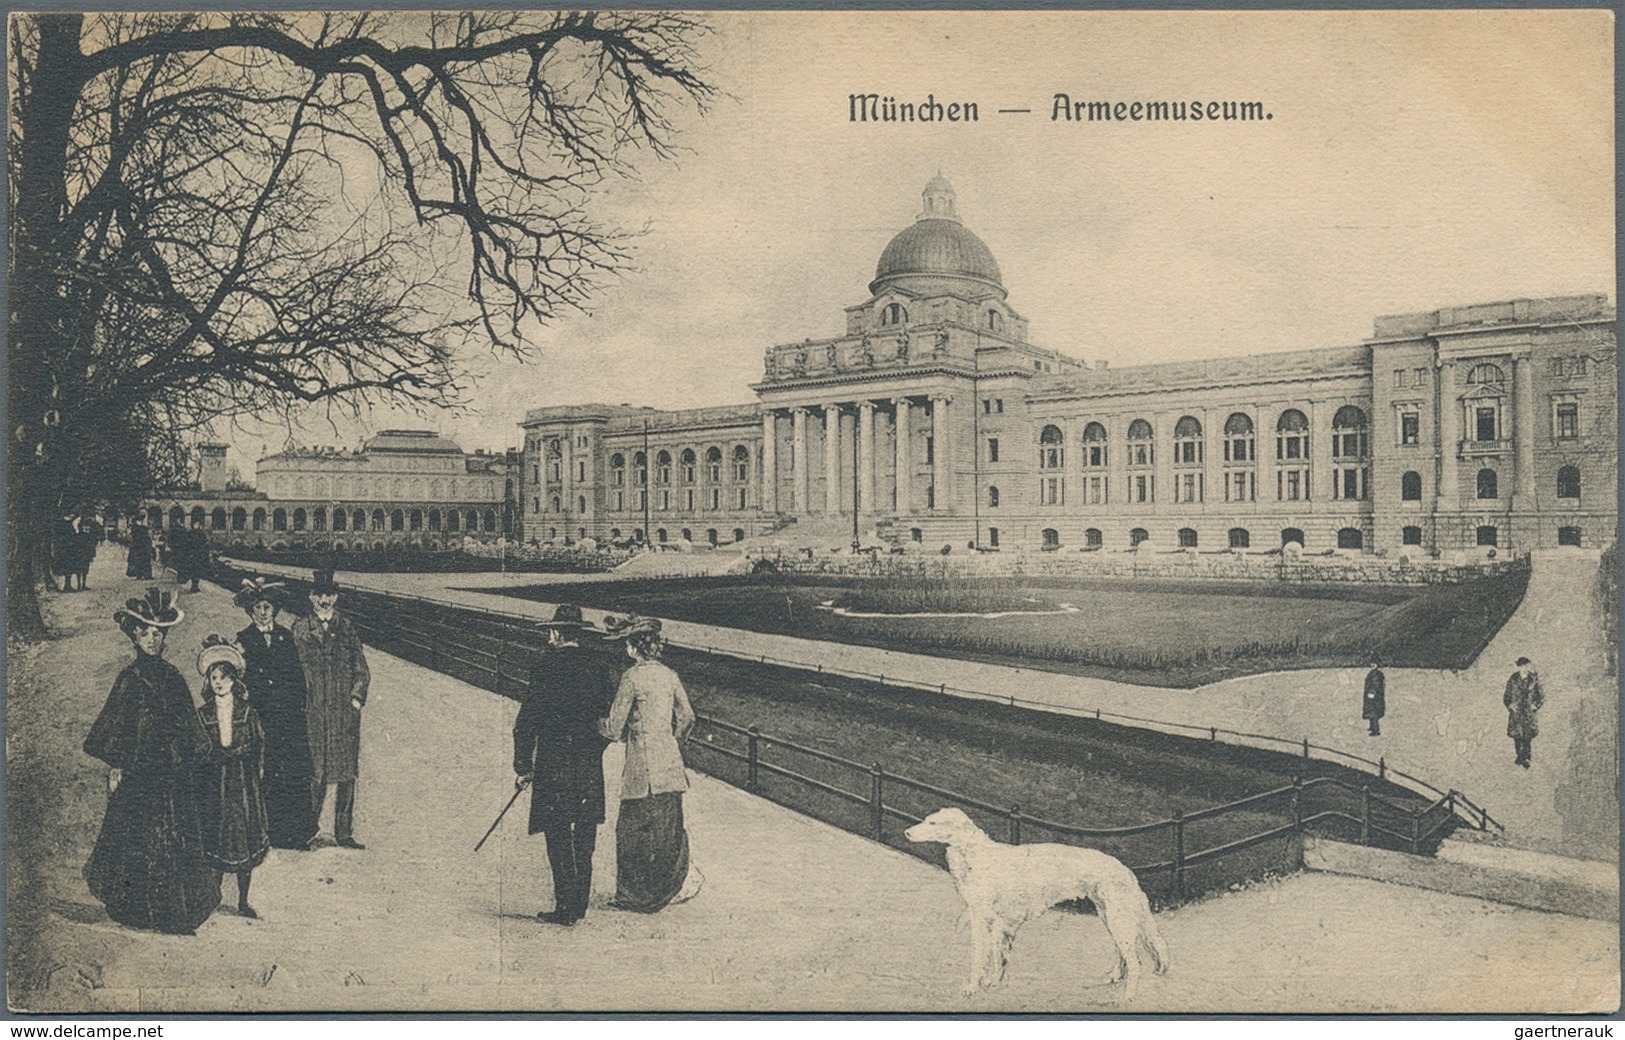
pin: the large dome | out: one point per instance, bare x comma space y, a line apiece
934, 247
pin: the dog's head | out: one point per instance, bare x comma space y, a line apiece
948, 826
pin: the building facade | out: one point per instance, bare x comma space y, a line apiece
934, 420
403, 487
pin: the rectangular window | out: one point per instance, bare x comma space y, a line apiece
620, 500
987, 406
1557, 366
1095, 490
581, 471
1486, 424
1410, 428
554, 473
1568, 422
665, 500
1577, 366
739, 499
1097, 455
998, 405
1351, 483
993, 537
1421, 375
992, 449
930, 450
1399, 377
1140, 488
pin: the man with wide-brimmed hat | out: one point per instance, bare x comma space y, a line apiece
336, 680
1523, 699
558, 750
276, 686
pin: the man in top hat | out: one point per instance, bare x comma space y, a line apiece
336, 678
1523, 699
559, 752
275, 679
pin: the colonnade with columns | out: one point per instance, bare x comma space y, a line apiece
858, 427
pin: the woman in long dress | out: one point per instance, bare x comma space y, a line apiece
147, 867
651, 713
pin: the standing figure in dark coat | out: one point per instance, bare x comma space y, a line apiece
276, 688
138, 564
191, 552
147, 867
1523, 699
229, 799
65, 550
90, 539
336, 679
558, 750
1375, 704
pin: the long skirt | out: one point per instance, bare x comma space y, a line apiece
233, 812
651, 852
147, 867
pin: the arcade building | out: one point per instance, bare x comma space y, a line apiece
933, 419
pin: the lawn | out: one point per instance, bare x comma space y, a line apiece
1160, 633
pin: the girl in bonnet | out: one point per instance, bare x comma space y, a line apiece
229, 798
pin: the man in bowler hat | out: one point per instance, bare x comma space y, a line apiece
1523, 699
336, 681
559, 752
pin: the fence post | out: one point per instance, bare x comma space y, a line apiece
751, 753
1382, 767
1297, 804
877, 816
1365, 815
1306, 749
1015, 825
1179, 852
1213, 733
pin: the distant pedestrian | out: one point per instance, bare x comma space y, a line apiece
65, 550
229, 799
147, 867
138, 564
1375, 704
559, 751
652, 715
90, 539
276, 687
1523, 700
336, 681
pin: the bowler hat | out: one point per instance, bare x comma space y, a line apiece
323, 583
1520, 662
565, 615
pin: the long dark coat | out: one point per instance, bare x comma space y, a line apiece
229, 798
276, 688
1523, 699
335, 673
65, 549
556, 738
1375, 704
147, 867
139, 563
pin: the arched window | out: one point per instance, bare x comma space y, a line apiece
617, 470
1486, 373
279, 520
581, 504
471, 521
1187, 537
1487, 483
1051, 537
378, 520
217, 519
994, 321
713, 465
1187, 441
1051, 452
1488, 536
239, 518
1410, 486
739, 534
614, 534
687, 458
490, 521
688, 536
992, 497
177, 516
1240, 538
1238, 438
1092, 538
1290, 535
1141, 446
358, 522
415, 520
198, 516
1350, 439
340, 520
663, 467
434, 519
1568, 482
1292, 435
453, 519
741, 464
1411, 536
1350, 538
557, 504
1138, 536
1094, 445
660, 536
397, 520
893, 314
640, 462
711, 537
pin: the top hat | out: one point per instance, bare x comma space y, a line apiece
259, 589
565, 615
627, 627
154, 610
324, 583
216, 649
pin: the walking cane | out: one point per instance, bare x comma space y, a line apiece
519, 789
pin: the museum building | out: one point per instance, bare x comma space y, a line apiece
934, 420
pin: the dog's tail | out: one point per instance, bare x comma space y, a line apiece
1153, 942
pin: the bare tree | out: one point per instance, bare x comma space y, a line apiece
225, 214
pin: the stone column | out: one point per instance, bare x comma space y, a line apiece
866, 457
768, 500
832, 459
942, 468
1449, 427
1523, 425
905, 464
799, 481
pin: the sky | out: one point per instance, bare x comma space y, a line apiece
1413, 160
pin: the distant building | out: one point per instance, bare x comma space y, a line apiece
936, 421
409, 487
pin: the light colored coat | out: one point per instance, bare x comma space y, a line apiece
651, 713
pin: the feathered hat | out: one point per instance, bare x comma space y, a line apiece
259, 589
217, 648
631, 625
154, 609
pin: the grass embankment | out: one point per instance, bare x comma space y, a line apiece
394, 559
1160, 633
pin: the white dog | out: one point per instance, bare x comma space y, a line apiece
1004, 885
